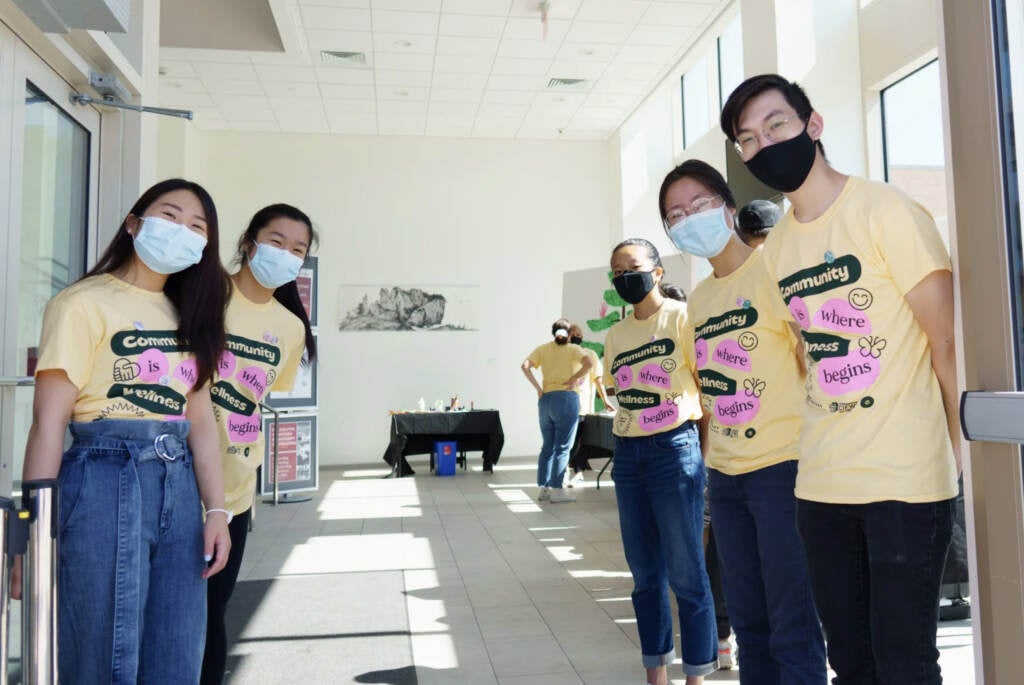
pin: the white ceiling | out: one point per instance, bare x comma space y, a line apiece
459, 68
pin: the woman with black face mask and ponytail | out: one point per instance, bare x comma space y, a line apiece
267, 331
659, 470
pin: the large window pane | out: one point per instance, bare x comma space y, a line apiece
55, 186
914, 151
730, 59
696, 109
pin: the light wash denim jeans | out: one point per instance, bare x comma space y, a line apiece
559, 412
132, 602
659, 485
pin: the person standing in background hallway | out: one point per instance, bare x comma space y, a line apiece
755, 220
563, 367
592, 383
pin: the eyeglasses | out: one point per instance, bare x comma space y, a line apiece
701, 204
777, 129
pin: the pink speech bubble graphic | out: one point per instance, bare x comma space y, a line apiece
187, 372
842, 375
244, 429
701, 350
732, 355
226, 364
839, 315
656, 418
152, 365
254, 378
798, 308
624, 377
653, 374
732, 410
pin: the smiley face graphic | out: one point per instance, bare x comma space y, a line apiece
668, 365
747, 340
860, 298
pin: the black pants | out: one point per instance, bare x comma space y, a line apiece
218, 592
577, 459
714, 570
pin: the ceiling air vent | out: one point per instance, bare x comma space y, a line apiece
568, 83
343, 58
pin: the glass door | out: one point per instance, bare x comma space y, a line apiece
49, 152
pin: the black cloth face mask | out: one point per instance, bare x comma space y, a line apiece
784, 166
633, 286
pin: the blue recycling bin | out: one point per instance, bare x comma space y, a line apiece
444, 458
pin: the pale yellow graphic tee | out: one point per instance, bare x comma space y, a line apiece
652, 368
749, 375
119, 345
874, 425
557, 364
265, 343
588, 388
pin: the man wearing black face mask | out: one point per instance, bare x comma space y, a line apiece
868, 281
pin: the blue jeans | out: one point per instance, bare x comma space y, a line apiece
559, 411
132, 602
659, 486
764, 571
876, 569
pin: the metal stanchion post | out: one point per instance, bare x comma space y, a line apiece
39, 583
6, 516
273, 474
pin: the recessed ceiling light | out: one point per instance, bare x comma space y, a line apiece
403, 93
403, 43
559, 98
586, 52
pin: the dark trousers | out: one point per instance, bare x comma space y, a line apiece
765, 573
218, 592
577, 457
875, 570
714, 569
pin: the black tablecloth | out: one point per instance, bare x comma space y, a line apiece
596, 440
416, 433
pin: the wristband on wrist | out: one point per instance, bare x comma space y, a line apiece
226, 513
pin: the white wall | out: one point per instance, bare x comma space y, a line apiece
509, 216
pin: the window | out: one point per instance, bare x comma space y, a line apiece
696, 109
730, 59
912, 141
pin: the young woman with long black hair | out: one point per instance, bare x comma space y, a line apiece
267, 330
125, 356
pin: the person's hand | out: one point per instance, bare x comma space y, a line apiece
540, 393
16, 578
216, 543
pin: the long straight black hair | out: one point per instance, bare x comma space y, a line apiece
287, 294
199, 293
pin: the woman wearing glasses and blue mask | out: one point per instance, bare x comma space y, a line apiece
267, 331
659, 471
126, 356
751, 374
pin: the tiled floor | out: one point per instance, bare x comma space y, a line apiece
449, 580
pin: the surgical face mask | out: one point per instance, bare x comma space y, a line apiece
633, 286
575, 339
272, 267
784, 166
704, 234
166, 247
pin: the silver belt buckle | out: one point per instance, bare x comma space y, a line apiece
161, 450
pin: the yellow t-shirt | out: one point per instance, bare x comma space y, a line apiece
119, 345
557, 363
653, 371
747, 367
588, 387
874, 424
264, 347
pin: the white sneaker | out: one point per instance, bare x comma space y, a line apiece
577, 479
561, 495
544, 494
727, 652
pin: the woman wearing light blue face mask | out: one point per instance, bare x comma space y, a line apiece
267, 330
749, 364
126, 356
